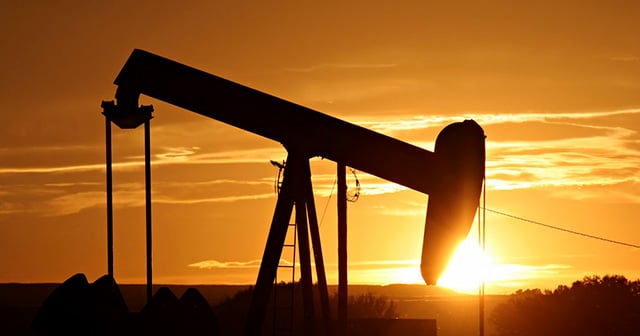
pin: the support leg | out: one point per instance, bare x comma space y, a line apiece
271, 256
305, 266
318, 257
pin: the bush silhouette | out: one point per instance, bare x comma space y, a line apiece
232, 312
592, 306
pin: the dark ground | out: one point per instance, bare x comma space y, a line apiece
455, 314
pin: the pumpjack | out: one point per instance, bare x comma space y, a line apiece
452, 175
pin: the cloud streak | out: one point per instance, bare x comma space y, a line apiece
601, 162
60, 199
606, 153
170, 156
392, 124
343, 66
502, 278
215, 264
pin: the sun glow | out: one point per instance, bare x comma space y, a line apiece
467, 268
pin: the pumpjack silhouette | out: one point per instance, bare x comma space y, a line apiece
452, 175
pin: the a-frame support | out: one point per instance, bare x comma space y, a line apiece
296, 191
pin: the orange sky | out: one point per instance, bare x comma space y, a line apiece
556, 86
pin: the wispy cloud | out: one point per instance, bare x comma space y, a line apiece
177, 153
200, 184
215, 264
392, 123
169, 156
224, 199
212, 263
611, 159
605, 153
72, 184
196, 155
500, 278
506, 278
59, 199
599, 162
65, 168
75, 202
510, 272
407, 211
625, 58
344, 66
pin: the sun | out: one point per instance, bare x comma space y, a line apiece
466, 269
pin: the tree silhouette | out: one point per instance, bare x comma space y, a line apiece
232, 312
592, 306
368, 305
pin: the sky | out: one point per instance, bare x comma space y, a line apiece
554, 84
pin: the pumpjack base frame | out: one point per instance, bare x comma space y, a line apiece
296, 193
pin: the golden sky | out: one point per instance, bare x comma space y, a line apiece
555, 84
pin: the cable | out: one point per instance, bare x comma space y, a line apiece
277, 184
562, 229
326, 205
354, 198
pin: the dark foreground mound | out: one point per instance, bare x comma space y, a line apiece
79, 308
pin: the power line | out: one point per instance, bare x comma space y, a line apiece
562, 229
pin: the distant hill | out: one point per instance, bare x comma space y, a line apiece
402, 291
32, 295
